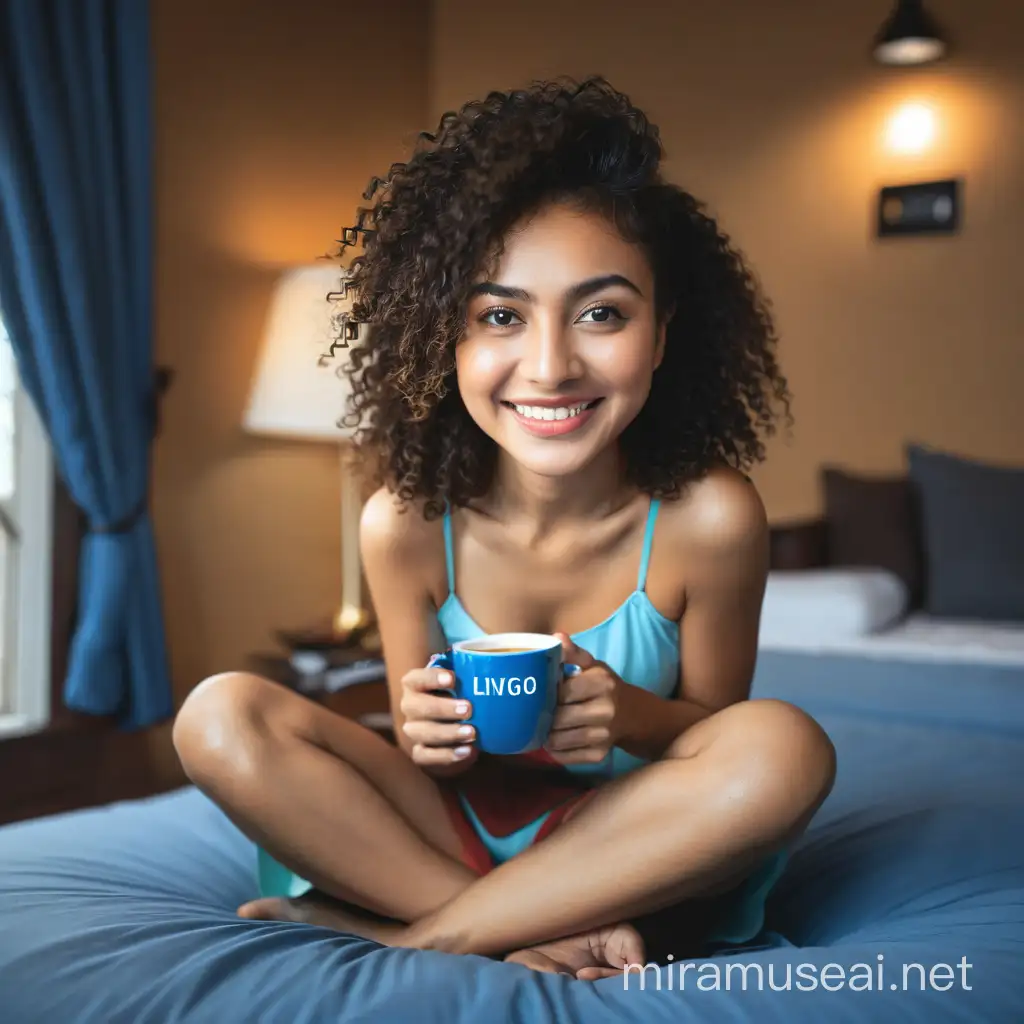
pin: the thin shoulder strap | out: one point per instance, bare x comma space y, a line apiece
645, 555
449, 552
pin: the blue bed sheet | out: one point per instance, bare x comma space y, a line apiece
126, 913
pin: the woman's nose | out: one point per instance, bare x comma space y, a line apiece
550, 357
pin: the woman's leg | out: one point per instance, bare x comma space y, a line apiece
731, 790
329, 799
295, 778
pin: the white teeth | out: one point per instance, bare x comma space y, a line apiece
537, 412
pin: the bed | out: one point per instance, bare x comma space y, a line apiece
126, 913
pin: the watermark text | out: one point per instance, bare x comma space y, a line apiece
714, 976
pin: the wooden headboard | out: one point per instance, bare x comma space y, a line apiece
800, 544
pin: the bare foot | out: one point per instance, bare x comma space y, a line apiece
600, 953
317, 909
588, 956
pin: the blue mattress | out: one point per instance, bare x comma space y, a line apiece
126, 913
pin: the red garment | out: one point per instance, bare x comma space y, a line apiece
508, 793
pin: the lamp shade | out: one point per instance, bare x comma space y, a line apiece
909, 36
292, 394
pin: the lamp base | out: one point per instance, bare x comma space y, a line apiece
351, 617
354, 625
350, 627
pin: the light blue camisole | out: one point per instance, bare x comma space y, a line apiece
636, 641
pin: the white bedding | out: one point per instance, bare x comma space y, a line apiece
920, 638
864, 612
829, 603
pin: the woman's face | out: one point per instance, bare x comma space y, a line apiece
561, 343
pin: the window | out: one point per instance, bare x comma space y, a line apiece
26, 497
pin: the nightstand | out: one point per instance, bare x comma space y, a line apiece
364, 702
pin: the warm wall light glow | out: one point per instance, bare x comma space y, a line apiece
912, 129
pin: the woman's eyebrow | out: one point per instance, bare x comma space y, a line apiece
595, 284
574, 294
500, 290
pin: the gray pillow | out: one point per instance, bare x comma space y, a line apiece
972, 517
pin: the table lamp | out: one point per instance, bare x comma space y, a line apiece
299, 394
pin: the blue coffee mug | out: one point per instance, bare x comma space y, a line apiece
511, 681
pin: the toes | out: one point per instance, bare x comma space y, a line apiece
596, 973
624, 946
632, 951
277, 908
537, 961
270, 908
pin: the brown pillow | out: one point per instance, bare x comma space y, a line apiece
874, 521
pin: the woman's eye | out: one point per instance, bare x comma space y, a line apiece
500, 317
601, 315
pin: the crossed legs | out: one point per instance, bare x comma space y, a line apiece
349, 812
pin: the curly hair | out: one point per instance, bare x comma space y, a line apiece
438, 220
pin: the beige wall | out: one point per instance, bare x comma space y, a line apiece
773, 113
269, 123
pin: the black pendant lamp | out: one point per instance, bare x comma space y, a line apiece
910, 36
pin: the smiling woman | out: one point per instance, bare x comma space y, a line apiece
571, 351
569, 367
448, 238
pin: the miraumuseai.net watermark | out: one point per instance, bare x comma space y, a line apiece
730, 975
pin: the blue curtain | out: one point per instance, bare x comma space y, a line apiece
76, 292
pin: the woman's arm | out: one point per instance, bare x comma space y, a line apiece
396, 548
721, 543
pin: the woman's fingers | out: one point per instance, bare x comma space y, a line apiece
421, 701
579, 755
435, 722
439, 755
428, 707
590, 684
572, 716
576, 739
426, 679
572, 654
438, 734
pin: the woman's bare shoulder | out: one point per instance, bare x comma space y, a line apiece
390, 526
722, 511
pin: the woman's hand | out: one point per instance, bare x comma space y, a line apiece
585, 724
435, 724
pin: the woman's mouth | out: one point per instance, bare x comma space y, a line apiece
553, 420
